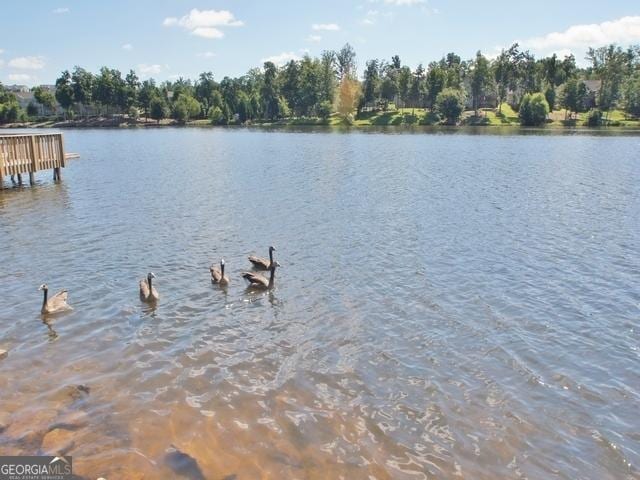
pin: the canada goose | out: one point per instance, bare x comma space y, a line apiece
218, 276
148, 292
260, 282
55, 304
260, 263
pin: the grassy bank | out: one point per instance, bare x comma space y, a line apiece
394, 117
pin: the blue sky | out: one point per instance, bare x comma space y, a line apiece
170, 38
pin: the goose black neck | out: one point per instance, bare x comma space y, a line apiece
270, 257
222, 270
273, 276
46, 294
149, 278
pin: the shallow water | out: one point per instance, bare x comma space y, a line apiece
449, 305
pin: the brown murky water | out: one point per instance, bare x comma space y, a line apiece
449, 306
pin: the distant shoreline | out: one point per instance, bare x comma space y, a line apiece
111, 123
395, 117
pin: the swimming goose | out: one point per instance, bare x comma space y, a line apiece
55, 304
218, 276
148, 292
260, 263
260, 282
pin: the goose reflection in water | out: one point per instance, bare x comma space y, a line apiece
51, 333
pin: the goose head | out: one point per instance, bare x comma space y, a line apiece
150, 276
43, 287
272, 249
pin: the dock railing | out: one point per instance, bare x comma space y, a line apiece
31, 152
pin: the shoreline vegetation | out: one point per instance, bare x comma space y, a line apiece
512, 89
394, 117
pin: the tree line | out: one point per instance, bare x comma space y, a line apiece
318, 87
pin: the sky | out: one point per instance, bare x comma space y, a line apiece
167, 39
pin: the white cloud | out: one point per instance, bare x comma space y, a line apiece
207, 32
61, 10
150, 69
1, 51
27, 63
127, 46
281, 58
204, 23
623, 30
19, 77
314, 38
325, 26
370, 17
206, 54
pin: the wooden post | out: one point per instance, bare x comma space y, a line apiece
1, 169
62, 154
20, 179
34, 159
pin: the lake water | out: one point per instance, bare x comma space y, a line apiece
449, 306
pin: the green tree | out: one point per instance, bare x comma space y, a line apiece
570, 96
371, 82
82, 83
64, 91
404, 85
436, 83
32, 109
131, 89
158, 108
270, 94
45, 98
148, 91
206, 92
104, 88
10, 112
328, 76
245, 109
505, 72
533, 109
610, 64
185, 108
594, 118
216, 116
480, 80
310, 89
418, 88
388, 88
454, 69
631, 95
530, 74
550, 96
324, 110
291, 85
450, 104
346, 61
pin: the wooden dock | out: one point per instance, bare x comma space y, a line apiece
31, 152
